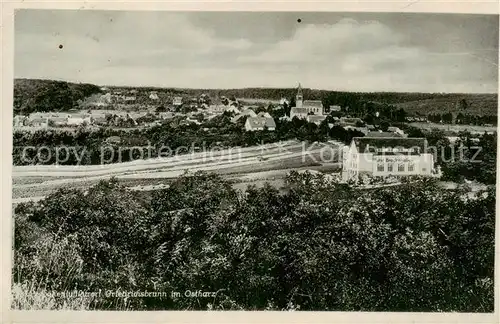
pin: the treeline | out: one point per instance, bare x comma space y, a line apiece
463, 119
32, 95
318, 246
92, 147
469, 157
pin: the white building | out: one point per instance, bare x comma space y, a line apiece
153, 95
177, 101
259, 123
386, 156
304, 108
232, 109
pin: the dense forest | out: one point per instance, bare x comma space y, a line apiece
31, 95
317, 246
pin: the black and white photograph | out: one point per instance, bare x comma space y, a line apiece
254, 161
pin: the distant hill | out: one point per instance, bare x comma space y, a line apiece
475, 104
33, 95
45, 95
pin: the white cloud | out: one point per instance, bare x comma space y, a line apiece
140, 49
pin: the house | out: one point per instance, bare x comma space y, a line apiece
232, 109
386, 157
259, 123
177, 101
284, 101
315, 119
335, 108
303, 108
153, 95
300, 113
216, 109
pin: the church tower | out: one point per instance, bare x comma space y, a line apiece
299, 99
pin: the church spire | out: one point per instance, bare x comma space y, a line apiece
299, 98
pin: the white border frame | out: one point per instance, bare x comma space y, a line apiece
7, 37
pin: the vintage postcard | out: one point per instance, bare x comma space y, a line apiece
252, 160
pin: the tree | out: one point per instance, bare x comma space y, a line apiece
384, 125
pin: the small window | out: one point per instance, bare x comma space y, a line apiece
390, 167
401, 167
424, 169
411, 167
380, 167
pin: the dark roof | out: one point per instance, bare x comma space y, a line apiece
370, 144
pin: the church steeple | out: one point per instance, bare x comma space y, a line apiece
299, 99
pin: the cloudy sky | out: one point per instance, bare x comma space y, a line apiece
335, 51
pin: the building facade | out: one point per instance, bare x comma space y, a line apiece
304, 108
259, 123
375, 156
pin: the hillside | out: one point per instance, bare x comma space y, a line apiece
45, 95
477, 104
33, 95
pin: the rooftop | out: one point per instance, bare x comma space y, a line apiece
312, 103
256, 122
370, 144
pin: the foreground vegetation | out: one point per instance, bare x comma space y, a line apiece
31, 95
319, 246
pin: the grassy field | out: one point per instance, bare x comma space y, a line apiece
36, 181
